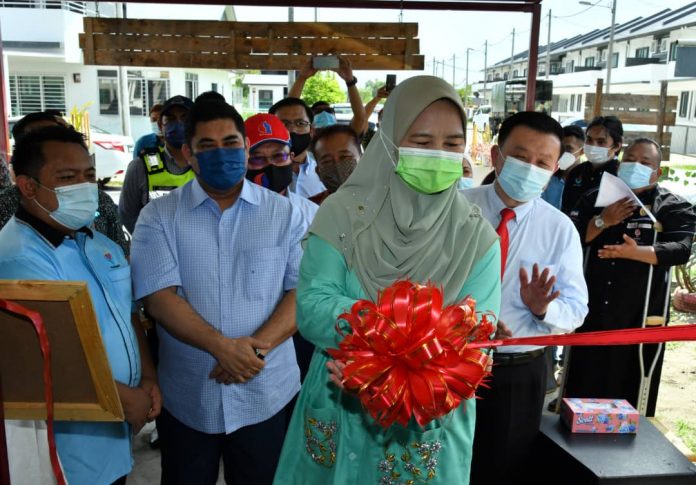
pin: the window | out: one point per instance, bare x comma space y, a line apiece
579, 108
570, 66
643, 52
614, 60
505, 76
554, 68
589, 62
602, 55
191, 85
142, 93
673, 51
214, 87
572, 102
265, 99
684, 104
514, 73
30, 93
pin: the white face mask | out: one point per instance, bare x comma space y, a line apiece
155, 128
596, 155
566, 161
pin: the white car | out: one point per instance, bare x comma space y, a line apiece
482, 117
344, 114
112, 153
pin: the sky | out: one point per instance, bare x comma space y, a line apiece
445, 34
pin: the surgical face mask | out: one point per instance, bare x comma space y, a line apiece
324, 119
635, 174
174, 133
77, 205
222, 168
596, 155
465, 183
567, 160
334, 174
272, 177
424, 170
155, 128
299, 142
522, 181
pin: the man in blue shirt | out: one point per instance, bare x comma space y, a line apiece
51, 238
217, 262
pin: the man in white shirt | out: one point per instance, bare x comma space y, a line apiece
543, 291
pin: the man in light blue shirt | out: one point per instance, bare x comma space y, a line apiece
543, 291
217, 262
51, 238
297, 118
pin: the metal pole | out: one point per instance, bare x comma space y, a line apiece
4, 112
453, 71
548, 49
123, 94
512, 53
610, 53
533, 58
316, 13
291, 73
467, 68
485, 69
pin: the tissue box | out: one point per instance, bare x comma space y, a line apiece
599, 416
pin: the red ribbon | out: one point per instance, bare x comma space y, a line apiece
628, 336
38, 324
407, 356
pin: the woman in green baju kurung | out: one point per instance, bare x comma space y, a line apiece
382, 225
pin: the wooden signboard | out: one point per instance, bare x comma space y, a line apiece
658, 111
247, 45
83, 387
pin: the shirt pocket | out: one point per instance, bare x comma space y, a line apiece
120, 279
263, 271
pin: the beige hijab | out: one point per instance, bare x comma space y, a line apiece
385, 229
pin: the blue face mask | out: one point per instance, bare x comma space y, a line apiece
635, 174
222, 168
77, 205
522, 181
174, 133
465, 183
324, 119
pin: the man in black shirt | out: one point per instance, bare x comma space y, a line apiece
620, 243
604, 138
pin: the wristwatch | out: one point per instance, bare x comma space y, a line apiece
599, 222
352, 82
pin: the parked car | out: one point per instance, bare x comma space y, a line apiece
482, 117
344, 114
112, 153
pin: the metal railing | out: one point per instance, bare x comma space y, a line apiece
76, 7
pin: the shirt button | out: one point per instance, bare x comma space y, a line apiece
613, 263
609, 282
606, 302
352, 456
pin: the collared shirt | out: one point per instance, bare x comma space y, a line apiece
540, 234
233, 268
307, 207
582, 179
306, 183
554, 192
90, 452
107, 221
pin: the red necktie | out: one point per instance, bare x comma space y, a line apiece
502, 230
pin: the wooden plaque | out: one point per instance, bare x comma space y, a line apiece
83, 387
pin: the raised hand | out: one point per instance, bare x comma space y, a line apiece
537, 293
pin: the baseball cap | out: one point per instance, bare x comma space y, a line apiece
265, 127
177, 100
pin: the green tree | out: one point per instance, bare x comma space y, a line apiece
323, 87
466, 93
370, 89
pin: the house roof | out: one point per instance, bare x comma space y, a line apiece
660, 22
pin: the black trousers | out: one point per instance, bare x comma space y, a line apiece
249, 455
508, 416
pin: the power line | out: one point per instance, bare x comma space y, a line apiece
577, 13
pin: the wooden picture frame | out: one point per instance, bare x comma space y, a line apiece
83, 386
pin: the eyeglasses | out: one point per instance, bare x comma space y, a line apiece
296, 123
280, 159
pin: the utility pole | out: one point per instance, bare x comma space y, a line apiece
467, 67
123, 93
610, 54
485, 69
292, 74
548, 49
453, 70
512, 54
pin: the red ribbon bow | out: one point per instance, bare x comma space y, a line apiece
407, 356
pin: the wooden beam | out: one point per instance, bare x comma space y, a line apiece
226, 61
629, 136
636, 117
661, 110
597, 105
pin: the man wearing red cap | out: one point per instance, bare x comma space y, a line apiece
270, 166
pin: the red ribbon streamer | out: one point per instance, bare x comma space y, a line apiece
407, 356
38, 324
628, 336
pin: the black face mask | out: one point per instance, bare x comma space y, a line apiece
300, 142
273, 178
